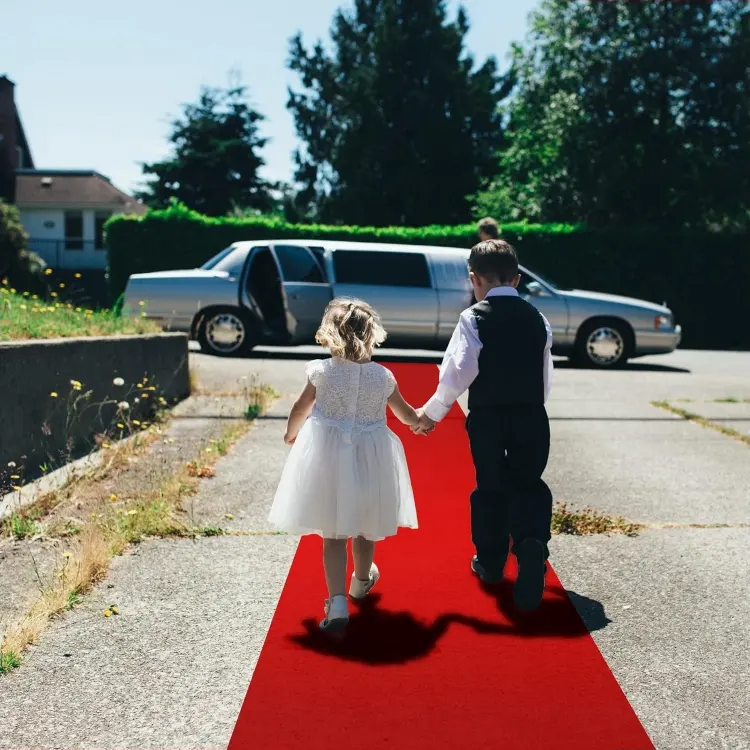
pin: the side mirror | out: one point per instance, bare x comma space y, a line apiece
534, 289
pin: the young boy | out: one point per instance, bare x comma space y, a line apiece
501, 353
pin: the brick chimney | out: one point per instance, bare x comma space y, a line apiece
9, 140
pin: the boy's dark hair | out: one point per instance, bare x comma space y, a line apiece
495, 260
489, 227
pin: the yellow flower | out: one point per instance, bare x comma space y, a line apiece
5, 282
23, 307
15, 487
53, 394
141, 304
12, 291
78, 275
144, 395
136, 422
67, 554
114, 610
107, 613
48, 272
106, 445
132, 512
77, 385
143, 315
54, 294
15, 476
62, 286
34, 296
229, 516
113, 498
121, 426
78, 309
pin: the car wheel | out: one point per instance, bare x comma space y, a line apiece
226, 333
604, 344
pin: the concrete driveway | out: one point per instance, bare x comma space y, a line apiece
674, 620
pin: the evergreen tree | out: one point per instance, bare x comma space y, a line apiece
398, 125
215, 157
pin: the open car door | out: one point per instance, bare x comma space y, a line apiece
306, 290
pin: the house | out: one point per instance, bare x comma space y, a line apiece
62, 210
14, 148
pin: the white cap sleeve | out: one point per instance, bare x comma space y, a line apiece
391, 381
313, 371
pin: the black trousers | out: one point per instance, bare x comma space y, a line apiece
510, 448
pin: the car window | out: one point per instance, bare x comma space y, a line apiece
320, 256
298, 264
231, 262
381, 268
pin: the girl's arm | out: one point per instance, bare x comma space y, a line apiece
299, 413
403, 411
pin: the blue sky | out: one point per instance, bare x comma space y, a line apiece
97, 82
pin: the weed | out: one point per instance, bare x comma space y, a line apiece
702, 421
589, 521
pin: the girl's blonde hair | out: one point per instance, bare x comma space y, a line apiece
351, 329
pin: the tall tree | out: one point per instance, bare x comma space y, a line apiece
398, 124
215, 159
628, 113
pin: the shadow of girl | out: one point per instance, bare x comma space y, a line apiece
381, 636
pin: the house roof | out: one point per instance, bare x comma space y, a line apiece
69, 188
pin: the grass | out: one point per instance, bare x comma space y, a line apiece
589, 521
112, 523
702, 421
24, 316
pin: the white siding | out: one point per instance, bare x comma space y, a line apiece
49, 241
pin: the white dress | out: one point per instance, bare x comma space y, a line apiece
346, 474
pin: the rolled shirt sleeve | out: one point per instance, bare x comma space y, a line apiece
459, 369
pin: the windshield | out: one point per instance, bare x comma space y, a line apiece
544, 280
230, 261
210, 264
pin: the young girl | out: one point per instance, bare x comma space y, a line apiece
346, 475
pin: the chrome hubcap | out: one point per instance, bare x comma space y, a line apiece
605, 346
225, 332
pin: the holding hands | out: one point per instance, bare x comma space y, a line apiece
424, 425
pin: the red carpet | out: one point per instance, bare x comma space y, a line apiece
432, 661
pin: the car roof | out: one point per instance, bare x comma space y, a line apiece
343, 245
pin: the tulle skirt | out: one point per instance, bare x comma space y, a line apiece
339, 484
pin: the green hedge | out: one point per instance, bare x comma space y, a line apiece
703, 277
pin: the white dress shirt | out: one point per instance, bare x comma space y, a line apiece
460, 365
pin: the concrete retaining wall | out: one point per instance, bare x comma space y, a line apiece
37, 429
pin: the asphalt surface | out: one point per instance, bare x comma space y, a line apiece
668, 608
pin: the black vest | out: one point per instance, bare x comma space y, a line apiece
511, 362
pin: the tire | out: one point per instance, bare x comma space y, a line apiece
226, 332
604, 344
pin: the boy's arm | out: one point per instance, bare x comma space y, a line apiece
548, 366
459, 369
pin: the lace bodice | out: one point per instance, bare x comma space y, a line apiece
351, 396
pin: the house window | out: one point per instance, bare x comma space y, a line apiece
74, 230
100, 219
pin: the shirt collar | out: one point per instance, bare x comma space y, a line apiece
503, 291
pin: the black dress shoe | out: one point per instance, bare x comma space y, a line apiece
487, 576
529, 587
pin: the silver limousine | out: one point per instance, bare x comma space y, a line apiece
274, 293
